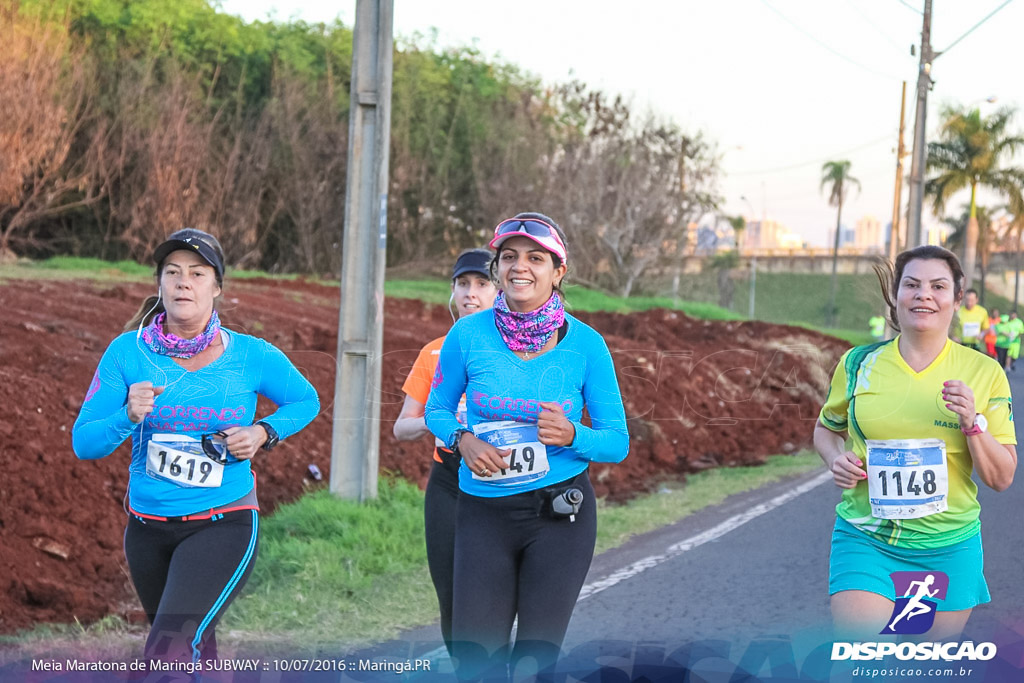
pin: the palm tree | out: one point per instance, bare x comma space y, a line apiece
969, 154
960, 224
739, 226
836, 173
1016, 211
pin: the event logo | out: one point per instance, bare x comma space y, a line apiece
94, 386
916, 594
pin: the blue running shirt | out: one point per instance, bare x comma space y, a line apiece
215, 397
500, 386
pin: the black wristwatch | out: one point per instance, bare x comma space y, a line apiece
454, 445
272, 437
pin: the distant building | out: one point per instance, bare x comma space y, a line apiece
847, 236
769, 234
868, 235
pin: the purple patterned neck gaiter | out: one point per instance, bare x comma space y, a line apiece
167, 344
528, 331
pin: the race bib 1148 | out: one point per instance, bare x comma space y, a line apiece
907, 478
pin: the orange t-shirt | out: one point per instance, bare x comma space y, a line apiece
417, 384
990, 334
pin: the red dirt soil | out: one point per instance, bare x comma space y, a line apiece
698, 394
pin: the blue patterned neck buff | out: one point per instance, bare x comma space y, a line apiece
167, 344
528, 331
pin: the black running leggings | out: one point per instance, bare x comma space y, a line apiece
439, 504
512, 558
186, 574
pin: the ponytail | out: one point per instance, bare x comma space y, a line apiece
150, 308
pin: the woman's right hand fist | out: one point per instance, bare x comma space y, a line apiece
141, 400
847, 470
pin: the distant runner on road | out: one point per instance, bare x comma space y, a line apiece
972, 321
922, 413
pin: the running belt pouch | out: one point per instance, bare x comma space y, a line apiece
551, 493
450, 459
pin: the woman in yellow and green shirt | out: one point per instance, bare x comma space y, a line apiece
921, 413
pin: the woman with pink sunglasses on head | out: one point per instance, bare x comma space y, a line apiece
526, 521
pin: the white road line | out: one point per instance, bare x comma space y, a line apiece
681, 547
700, 539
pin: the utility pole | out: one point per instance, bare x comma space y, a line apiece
355, 441
752, 296
894, 233
924, 82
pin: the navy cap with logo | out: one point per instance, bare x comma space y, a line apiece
202, 243
473, 261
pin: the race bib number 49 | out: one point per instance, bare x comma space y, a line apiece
180, 460
907, 478
529, 458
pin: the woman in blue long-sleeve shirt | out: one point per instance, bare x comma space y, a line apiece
526, 521
185, 390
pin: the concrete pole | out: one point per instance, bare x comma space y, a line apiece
915, 235
894, 234
355, 440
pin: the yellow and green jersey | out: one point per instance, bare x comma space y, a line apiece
876, 395
1016, 330
972, 323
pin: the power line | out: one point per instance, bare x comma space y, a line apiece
900, 48
887, 138
828, 47
909, 6
987, 17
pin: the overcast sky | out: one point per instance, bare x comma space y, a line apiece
780, 85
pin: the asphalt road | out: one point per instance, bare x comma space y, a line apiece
766, 580
742, 579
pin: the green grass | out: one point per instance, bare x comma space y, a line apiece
801, 298
358, 572
578, 298
852, 337
62, 267
435, 291
334, 573
73, 267
582, 299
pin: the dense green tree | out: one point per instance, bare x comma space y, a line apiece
184, 115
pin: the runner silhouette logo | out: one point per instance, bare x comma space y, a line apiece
916, 596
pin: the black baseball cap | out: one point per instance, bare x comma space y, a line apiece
473, 261
203, 243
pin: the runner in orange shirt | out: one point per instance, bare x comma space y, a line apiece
990, 333
472, 291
